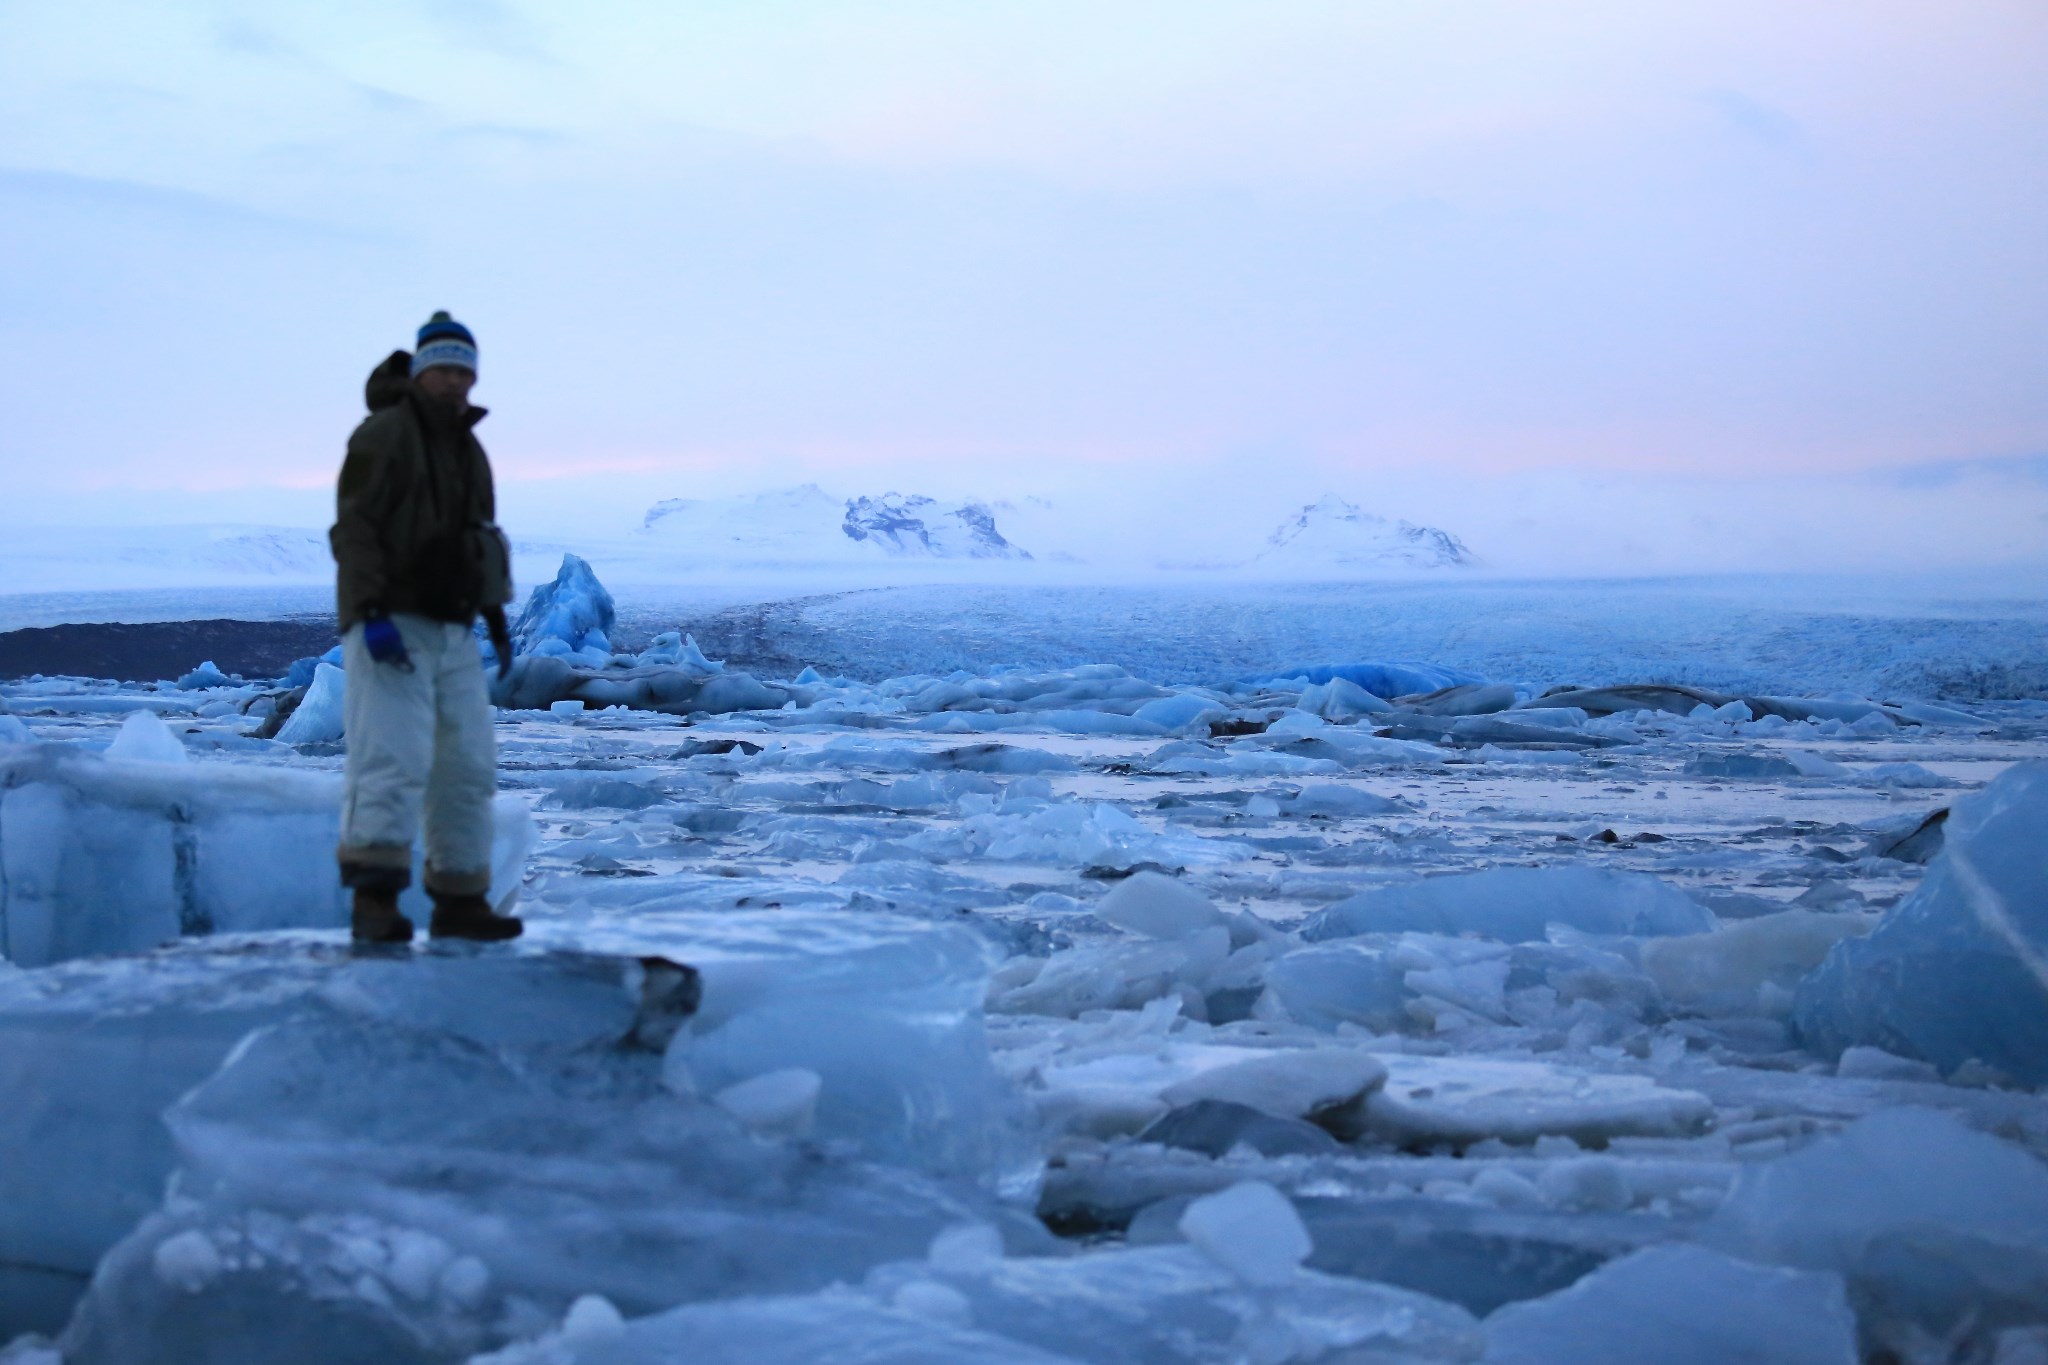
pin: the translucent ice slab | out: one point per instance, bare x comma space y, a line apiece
885, 1009
1517, 905
1958, 970
1680, 1305
102, 855
435, 1143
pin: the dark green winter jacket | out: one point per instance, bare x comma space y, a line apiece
415, 517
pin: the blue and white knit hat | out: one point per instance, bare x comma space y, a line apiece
444, 341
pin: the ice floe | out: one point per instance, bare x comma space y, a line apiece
1033, 1014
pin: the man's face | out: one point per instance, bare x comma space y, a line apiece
448, 384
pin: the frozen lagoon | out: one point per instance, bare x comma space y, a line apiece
944, 1099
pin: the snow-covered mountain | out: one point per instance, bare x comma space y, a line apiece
922, 526
1331, 533
806, 525
802, 532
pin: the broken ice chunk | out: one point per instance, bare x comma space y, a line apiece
1959, 969
1157, 906
1217, 1127
188, 1261
592, 1318
1185, 712
1340, 699
1875, 1064
318, 717
777, 1104
1588, 1184
833, 1326
1680, 1305
966, 1248
1328, 798
1518, 905
1343, 982
1926, 1217
1176, 1303
1122, 975
104, 1046
886, 1009
144, 738
1251, 1230
99, 855
1748, 966
1465, 1099
560, 1170
1310, 1083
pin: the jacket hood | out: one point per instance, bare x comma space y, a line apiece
387, 385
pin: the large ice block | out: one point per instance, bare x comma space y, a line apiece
1423, 982
781, 1331
91, 1052
964, 1301
1517, 905
1959, 969
1680, 1305
1932, 1223
1429, 1100
514, 1112
1178, 1303
1747, 966
886, 1010
570, 615
105, 855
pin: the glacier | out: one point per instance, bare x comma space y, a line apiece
1061, 1010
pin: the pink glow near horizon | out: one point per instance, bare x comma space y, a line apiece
1394, 250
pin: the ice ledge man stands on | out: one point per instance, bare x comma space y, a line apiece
419, 556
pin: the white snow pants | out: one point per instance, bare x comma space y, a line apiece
417, 739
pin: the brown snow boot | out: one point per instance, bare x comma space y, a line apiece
471, 917
376, 918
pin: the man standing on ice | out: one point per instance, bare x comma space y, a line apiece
419, 556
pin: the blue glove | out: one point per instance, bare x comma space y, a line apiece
384, 642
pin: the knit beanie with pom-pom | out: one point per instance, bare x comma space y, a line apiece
444, 341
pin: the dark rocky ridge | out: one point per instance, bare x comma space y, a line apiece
164, 649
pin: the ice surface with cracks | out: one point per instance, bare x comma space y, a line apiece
1485, 1107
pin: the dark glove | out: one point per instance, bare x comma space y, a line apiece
501, 638
385, 644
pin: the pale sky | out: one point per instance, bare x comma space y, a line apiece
1776, 260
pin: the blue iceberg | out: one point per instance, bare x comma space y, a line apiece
1958, 971
572, 616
